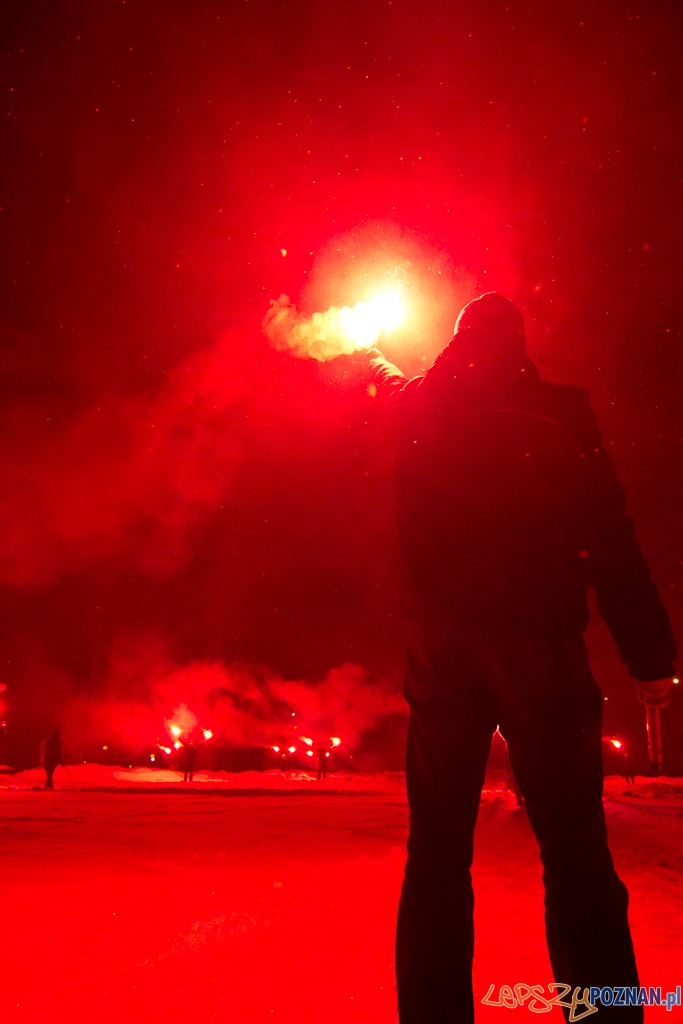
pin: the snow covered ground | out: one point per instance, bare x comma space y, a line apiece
128, 896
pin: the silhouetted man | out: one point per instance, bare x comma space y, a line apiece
628, 767
189, 760
323, 753
508, 511
51, 757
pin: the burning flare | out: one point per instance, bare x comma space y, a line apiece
339, 331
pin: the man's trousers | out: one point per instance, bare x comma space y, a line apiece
461, 684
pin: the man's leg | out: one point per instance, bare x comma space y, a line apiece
449, 739
554, 733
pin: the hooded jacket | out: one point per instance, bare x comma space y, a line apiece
508, 505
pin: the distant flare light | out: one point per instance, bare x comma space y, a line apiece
616, 743
207, 734
335, 741
175, 729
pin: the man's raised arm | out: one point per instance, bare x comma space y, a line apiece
384, 376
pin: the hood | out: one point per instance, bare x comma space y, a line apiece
487, 351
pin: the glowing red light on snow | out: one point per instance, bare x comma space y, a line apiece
207, 734
291, 749
175, 729
616, 743
335, 741
307, 741
276, 749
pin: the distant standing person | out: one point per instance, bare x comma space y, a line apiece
50, 757
323, 754
189, 760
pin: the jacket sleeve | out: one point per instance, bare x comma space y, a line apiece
627, 598
386, 378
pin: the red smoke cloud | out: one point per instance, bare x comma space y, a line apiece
127, 478
243, 706
124, 481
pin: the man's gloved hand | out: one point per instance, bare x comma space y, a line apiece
655, 692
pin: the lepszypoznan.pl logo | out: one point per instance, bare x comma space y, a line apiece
580, 1002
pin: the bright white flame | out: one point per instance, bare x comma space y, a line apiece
207, 734
367, 320
291, 749
335, 741
177, 744
307, 741
175, 730
276, 749
309, 753
616, 743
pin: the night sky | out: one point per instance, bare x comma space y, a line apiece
175, 492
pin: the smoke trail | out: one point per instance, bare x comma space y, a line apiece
144, 691
339, 331
125, 479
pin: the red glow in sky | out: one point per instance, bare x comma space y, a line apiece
165, 176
